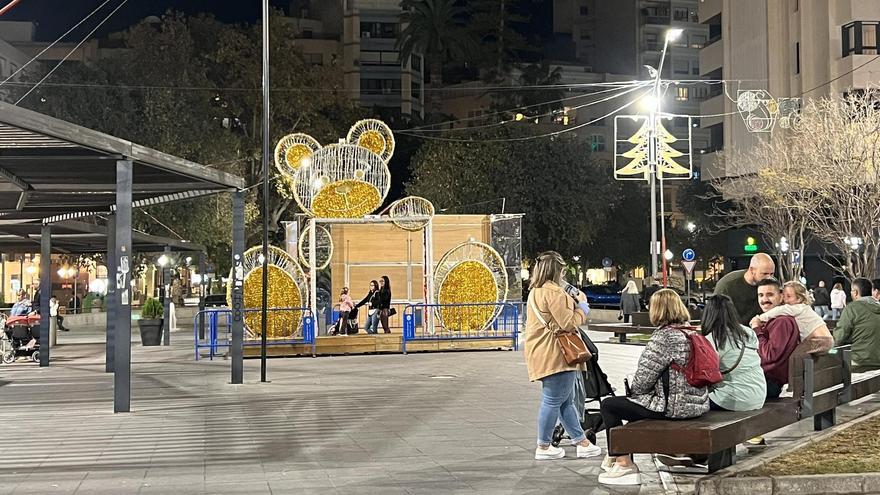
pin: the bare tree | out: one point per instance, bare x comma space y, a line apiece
820, 179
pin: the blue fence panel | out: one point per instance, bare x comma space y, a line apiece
219, 331
459, 321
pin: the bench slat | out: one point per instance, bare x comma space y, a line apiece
710, 433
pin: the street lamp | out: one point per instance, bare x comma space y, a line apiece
653, 105
691, 227
163, 261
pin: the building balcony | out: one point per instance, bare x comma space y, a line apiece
712, 57
712, 106
710, 8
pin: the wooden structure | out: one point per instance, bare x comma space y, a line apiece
372, 344
364, 252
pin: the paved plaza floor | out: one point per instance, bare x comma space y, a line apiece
459, 422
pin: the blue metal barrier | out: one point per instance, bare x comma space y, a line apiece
457, 326
219, 330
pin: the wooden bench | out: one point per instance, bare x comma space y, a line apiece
818, 383
640, 323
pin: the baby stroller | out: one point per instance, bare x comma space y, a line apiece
348, 327
21, 338
590, 387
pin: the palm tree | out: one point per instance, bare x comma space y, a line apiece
433, 28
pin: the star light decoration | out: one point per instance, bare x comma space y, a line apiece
635, 164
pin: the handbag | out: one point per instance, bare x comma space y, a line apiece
574, 350
392, 311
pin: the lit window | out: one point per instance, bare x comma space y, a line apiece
681, 94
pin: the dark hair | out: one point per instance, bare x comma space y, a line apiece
863, 285
387, 287
721, 320
770, 281
373, 283
876, 283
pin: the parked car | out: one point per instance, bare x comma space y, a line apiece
602, 296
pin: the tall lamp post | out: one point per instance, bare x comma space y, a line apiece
653, 103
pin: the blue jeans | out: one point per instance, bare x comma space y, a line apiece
835, 313
373, 322
823, 311
557, 402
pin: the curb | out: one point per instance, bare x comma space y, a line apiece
727, 481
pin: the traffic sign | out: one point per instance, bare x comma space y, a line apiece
689, 266
688, 254
796, 257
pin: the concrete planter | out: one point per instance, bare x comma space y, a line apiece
151, 332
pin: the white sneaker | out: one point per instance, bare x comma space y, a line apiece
549, 453
618, 475
608, 463
589, 451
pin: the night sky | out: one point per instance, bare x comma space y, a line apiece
52, 21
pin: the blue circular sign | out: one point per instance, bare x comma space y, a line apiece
688, 254
606, 262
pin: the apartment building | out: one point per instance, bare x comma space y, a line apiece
790, 48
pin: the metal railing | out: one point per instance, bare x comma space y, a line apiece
432, 322
218, 329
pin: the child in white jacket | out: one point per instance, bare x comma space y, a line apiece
811, 326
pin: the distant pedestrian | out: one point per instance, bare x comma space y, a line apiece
372, 300
345, 307
822, 301
384, 302
650, 290
550, 310
629, 301
838, 301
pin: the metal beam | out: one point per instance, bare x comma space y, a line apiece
202, 268
112, 300
45, 294
122, 327
14, 179
22, 200
237, 287
166, 302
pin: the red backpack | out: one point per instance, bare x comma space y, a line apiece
703, 368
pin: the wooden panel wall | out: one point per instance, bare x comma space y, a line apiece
371, 250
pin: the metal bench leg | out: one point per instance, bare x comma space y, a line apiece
824, 420
621, 337
722, 459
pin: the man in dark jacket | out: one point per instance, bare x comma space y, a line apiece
740, 285
859, 325
822, 301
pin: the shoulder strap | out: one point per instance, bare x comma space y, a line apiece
535, 308
741, 353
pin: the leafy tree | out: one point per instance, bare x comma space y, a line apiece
190, 86
492, 24
433, 28
563, 194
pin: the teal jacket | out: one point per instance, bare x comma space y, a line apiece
859, 325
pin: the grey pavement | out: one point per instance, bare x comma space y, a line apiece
458, 422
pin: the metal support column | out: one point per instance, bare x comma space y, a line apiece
45, 292
122, 327
237, 282
166, 305
313, 274
112, 300
202, 267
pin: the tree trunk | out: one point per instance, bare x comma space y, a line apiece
436, 83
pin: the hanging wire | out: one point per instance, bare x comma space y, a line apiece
78, 24
85, 38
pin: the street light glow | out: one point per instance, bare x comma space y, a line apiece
691, 227
648, 103
163, 261
668, 255
673, 34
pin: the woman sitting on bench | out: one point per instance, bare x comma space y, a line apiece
647, 399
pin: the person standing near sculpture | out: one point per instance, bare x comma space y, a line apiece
740, 286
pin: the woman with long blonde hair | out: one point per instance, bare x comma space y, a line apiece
550, 310
629, 301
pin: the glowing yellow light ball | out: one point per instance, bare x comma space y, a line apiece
468, 282
282, 293
348, 198
296, 154
373, 141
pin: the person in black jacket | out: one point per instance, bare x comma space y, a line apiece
384, 302
372, 299
822, 301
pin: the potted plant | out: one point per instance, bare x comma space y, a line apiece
150, 323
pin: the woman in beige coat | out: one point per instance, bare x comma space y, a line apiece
550, 311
